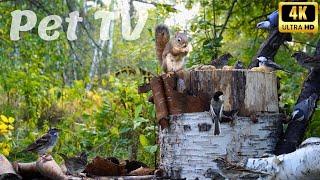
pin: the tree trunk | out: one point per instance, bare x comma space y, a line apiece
188, 147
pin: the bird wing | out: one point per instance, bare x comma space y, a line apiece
307, 105
39, 142
212, 113
221, 112
274, 65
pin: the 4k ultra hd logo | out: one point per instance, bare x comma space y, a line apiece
298, 17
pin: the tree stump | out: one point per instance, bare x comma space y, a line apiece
188, 147
247, 91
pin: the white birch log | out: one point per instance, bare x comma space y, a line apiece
188, 148
304, 163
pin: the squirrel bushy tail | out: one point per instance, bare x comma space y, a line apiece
162, 38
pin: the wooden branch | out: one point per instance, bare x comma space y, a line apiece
227, 19
27, 170
6, 169
49, 168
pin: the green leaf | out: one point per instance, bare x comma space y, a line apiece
114, 131
151, 149
143, 140
137, 111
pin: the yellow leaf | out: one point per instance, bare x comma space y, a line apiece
6, 151
3, 127
11, 120
4, 131
4, 119
10, 127
143, 140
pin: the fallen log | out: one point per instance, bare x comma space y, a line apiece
6, 169
300, 164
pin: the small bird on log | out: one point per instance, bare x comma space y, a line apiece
268, 65
75, 165
238, 65
304, 109
221, 61
216, 111
44, 144
307, 61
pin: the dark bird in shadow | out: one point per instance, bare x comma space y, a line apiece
75, 165
306, 61
221, 61
238, 65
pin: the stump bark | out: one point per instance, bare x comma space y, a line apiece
247, 91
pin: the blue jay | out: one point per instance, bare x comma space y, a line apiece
304, 109
271, 22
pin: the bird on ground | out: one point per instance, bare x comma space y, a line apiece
304, 109
221, 61
307, 61
45, 143
270, 23
75, 165
268, 65
216, 111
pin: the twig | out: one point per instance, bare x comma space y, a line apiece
227, 19
156, 4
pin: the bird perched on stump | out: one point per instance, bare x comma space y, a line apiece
171, 52
221, 61
304, 109
216, 109
307, 61
75, 165
268, 65
44, 144
238, 65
